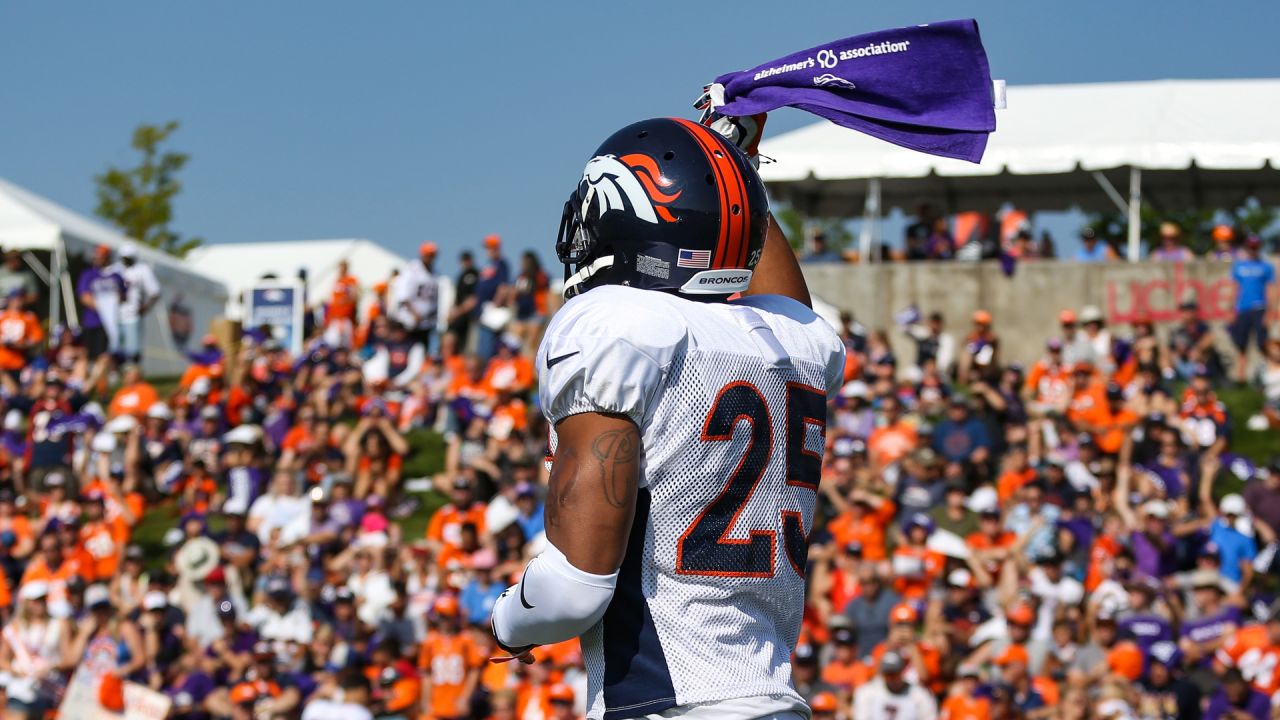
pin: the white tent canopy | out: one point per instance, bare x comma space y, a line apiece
191, 298
1198, 143
241, 265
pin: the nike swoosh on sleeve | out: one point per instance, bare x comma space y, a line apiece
553, 361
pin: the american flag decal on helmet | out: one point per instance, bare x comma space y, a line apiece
694, 259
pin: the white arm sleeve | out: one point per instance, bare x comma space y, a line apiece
553, 602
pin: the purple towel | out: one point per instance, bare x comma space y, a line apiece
924, 87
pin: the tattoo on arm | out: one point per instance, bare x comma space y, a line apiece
617, 451
564, 475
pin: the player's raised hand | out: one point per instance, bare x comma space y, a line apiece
744, 132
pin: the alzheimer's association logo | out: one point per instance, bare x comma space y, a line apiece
632, 183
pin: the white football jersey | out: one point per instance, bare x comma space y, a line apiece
730, 399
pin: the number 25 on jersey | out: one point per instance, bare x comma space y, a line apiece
705, 547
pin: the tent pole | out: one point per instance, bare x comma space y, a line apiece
1135, 213
870, 217
55, 289
68, 290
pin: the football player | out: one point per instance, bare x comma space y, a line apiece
687, 434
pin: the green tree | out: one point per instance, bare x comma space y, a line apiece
799, 228
139, 200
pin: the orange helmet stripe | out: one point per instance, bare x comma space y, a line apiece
731, 249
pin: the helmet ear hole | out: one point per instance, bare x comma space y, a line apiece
668, 155
736, 209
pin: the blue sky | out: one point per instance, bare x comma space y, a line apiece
406, 121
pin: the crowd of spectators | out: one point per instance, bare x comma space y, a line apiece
974, 236
1074, 539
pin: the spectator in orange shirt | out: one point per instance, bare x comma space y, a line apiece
445, 528
1017, 473
20, 333
915, 565
1113, 423
135, 395
1088, 396
924, 661
963, 702
864, 523
508, 369
450, 664
992, 544
893, 440
98, 540
845, 671
340, 314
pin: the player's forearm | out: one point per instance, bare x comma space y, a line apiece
553, 602
778, 272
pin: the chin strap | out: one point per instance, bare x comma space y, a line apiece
572, 282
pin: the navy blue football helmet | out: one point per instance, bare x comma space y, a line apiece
664, 204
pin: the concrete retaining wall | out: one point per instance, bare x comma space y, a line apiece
1025, 306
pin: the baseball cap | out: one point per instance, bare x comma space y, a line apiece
244, 693
844, 636
226, 610
1013, 654
1021, 614
1156, 508
34, 590
278, 587
262, 649
1053, 344
102, 251
1067, 316
1223, 232
904, 614
129, 251
806, 654
491, 241
97, 596
154, 600
892, 662
1090, 314
824, 702
344, 595
445, 606
982, 317
1126, 660
960, 578
560, 693
1232, 504
1088, 233
427, 248
159, 411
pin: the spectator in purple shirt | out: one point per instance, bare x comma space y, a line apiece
100, 291
1236, 700
1171, 248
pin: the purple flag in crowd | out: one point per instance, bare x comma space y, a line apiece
925, 87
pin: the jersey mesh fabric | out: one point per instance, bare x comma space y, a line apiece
721, 636
698, 617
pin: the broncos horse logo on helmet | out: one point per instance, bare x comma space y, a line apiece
655, 195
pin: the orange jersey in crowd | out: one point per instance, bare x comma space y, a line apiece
1101, 558
133, 400
926, 565
17, 328
891, 443
963, 707
342, 302
868, 530
1113, 427
929, 654
445, 660
1250, 651
1087, 403
446, 525
1048, 382
847, 676
99, 542
1011, 481
515, 374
